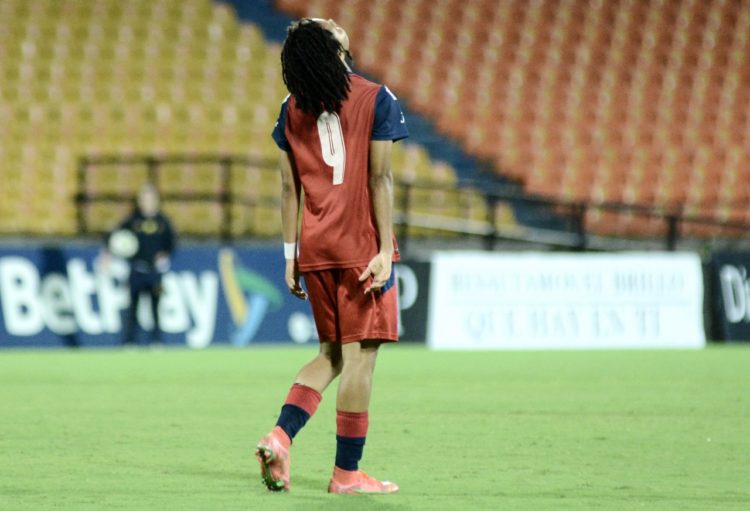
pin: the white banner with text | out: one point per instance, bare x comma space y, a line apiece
485, 300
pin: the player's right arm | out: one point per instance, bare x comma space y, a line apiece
381, 191
389, 126
290, 206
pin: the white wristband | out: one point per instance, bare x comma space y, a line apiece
290, 250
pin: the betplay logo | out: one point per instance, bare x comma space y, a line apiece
92, 301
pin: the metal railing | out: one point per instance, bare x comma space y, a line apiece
557, 223
225, 196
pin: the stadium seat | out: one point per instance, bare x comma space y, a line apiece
144, 77
666, 80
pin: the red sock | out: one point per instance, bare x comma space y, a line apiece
300, 405
304, 397
351, 432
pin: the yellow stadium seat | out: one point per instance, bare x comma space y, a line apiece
85, 78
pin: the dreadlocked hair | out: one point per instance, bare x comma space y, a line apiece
312, 70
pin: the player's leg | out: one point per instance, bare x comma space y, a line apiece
323, 369
306, 392
301, 403
303, 398
373, 318
353, 402
355, 386
352, 421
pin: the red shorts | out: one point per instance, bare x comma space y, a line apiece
344, 313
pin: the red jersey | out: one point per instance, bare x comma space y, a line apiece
331, 159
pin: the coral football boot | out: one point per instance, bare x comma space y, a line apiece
357, 482
272, 453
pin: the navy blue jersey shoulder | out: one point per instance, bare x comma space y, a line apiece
389, 123
279, 136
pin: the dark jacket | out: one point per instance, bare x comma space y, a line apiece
154, 235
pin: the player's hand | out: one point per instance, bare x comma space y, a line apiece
380, 270
292, 279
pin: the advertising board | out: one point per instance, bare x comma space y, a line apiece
484, 300
71, 296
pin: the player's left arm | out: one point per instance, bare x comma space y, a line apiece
381, 192
290, 203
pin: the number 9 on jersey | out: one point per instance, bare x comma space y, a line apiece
332, 144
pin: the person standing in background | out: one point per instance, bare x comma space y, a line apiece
151, 260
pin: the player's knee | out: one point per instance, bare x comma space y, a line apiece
333, 358
358, 365
337, 366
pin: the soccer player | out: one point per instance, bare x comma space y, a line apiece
335, 131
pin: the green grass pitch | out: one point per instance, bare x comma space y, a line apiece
175, 429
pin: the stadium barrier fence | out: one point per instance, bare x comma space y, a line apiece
553, 222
